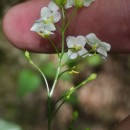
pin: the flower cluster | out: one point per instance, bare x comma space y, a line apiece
45, 26
76, 46
50, 15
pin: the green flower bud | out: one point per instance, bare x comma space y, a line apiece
92, 77
60, 2
74, 71
27, 54
79, 3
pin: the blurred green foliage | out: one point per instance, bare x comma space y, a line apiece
87, 128
28, 82
49, 69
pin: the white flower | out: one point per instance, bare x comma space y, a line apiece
76, 46
45, 25
50, 13
43, 29
101, 47
78, 3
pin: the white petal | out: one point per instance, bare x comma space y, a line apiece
70, 41
82, 52
56, 16
50, 27
52, 6
80, 40
73, 56
88, 2
45, 12
47, 32
106, 46
69, 4
92, 39
102, 52
35, 27
69, 52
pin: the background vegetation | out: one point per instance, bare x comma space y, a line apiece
100, 104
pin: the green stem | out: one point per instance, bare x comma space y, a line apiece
58, 108
63, 96
72, 15
58, 71
63, 72
62, 52
48, 91
63, 31
56, 77
49, 113
54, 46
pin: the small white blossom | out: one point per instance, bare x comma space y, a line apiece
50, 13
76, 46
45, 25
78, 3
43, 29
101, 47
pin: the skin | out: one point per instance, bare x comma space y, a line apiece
108, 19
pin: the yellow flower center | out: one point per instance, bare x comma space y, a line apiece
76, 48
49, 20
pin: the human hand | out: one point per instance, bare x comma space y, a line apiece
108, 19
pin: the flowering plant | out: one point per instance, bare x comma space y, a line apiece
46, 27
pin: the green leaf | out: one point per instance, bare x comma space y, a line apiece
4, 125
28, 82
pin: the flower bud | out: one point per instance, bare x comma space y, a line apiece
79, 3
60, 2
92, 77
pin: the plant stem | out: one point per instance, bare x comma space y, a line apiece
54, 46
44, 77
56, 77
58, 108
71, 16
62, 52
49, 112
63, 31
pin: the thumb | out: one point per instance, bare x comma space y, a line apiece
108, 19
